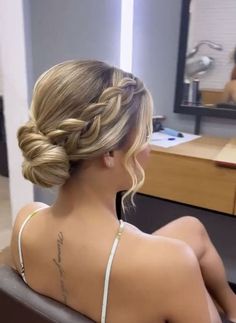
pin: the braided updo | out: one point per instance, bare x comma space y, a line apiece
80, 110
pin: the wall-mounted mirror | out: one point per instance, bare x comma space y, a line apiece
206, 72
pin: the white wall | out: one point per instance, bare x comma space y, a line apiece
155, 48
46, 32
72, 29
215, 21
58, 30
13, 62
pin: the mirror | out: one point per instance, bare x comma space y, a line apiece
206, 73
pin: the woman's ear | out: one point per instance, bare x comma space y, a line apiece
109, 159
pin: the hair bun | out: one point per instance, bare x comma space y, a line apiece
45, 164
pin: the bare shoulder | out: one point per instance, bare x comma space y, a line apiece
20, 218
164, 273
161, 258
24, 212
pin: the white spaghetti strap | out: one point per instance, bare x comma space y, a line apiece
22, 268
108, 272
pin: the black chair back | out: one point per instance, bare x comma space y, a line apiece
19, 303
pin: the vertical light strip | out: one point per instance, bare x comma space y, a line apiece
126, 35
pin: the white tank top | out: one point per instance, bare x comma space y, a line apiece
108, 268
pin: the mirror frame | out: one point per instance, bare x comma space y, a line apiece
222, 110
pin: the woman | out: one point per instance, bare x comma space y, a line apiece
88, 134
229, 94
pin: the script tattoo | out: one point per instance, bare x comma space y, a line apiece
58, 262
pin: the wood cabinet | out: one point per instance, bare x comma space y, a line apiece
188, 173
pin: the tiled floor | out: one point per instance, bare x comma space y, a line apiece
5, 213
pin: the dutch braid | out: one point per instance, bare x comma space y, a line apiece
80, 110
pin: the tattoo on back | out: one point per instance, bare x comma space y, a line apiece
58, 262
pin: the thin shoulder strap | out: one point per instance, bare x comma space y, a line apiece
22, 268
108, 272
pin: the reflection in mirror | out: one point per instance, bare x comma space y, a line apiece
210, 65
229, 95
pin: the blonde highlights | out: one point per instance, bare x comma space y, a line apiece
143, 134
81, 110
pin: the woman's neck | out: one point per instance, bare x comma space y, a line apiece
91, 195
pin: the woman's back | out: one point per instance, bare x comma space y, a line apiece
65, 258
88, 134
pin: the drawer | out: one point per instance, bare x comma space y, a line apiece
194, 181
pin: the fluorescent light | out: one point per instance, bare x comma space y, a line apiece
126, 35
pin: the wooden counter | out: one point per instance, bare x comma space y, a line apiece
188, 173
212, 96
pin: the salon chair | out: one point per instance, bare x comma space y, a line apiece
20, 304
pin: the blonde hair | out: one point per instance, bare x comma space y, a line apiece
81, 110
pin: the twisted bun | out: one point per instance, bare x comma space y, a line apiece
81, 110
45, 164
